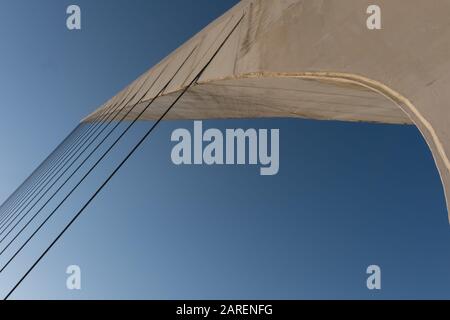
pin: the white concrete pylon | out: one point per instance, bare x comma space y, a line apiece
317, 59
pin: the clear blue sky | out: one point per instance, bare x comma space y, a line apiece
348, 195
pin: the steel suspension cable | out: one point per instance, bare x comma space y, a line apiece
16, 193
136, 147
67, 157
42, 175
72, 174
58, 161
99, 119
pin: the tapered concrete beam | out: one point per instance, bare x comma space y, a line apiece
314, 59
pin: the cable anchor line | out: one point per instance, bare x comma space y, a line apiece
133, 150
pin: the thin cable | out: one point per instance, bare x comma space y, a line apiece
94, 166
24, 186
52, 167
65, 160
28, 193
73, 173
36, 170
94, 124
74, 161
124, 160
20, 198
16, 215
